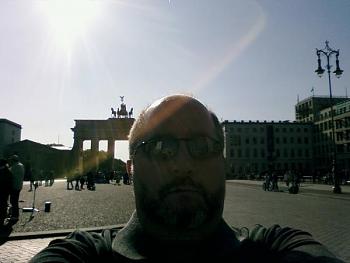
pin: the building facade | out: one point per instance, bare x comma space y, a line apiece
318, 111
324, 141
10, 132
251, 148
308, 109
41, 157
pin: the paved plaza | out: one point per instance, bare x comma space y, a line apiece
315, 209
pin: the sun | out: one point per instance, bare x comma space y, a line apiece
69, 19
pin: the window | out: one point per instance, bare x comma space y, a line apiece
292, 153
232, 153
278, 154
300, 153
306, 140
262, 152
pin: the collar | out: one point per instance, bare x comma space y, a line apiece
131, 242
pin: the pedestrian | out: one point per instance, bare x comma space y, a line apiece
286, 177
125, 178
82, 181
70, 178
17, 171
51, 177
28, 174
90, 181
5, 186
176, 147
77, 179
47, 177
41, 177
274, 181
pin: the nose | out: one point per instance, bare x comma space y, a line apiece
182, 163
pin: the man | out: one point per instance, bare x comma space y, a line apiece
17, 170
5, 186
176, 147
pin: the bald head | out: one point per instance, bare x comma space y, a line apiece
166, 109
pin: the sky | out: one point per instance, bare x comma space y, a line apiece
66, 60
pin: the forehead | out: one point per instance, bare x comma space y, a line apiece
179, 117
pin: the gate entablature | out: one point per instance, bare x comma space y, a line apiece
112, 128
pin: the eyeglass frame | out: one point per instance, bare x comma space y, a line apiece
186, 140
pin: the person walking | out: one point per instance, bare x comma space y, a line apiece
77, 179
17, 170
5, 186
274, 182
51, 177
28, 175
70, 178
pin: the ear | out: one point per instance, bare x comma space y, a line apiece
129, 167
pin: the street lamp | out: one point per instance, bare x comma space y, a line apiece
328, 52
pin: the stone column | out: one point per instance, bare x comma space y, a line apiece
78, 154
94, 153
111, 145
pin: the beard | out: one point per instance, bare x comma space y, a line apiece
181, 205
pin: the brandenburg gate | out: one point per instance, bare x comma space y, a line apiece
112, 129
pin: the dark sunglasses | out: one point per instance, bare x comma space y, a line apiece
167, 147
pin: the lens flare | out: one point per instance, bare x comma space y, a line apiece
69, 19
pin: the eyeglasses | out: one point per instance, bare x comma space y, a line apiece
167, 147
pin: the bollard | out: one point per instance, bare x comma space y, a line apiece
47, 206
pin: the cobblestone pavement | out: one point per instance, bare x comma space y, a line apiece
22, 250
314, 209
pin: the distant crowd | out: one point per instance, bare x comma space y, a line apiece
91, 178
13, 173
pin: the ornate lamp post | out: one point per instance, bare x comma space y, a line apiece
328, 52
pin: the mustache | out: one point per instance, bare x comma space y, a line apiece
183, 183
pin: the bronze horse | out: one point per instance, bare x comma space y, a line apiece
131, 112
114, 113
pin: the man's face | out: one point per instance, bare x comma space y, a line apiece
180, 197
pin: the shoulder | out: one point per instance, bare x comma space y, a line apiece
285, 244
79, 246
